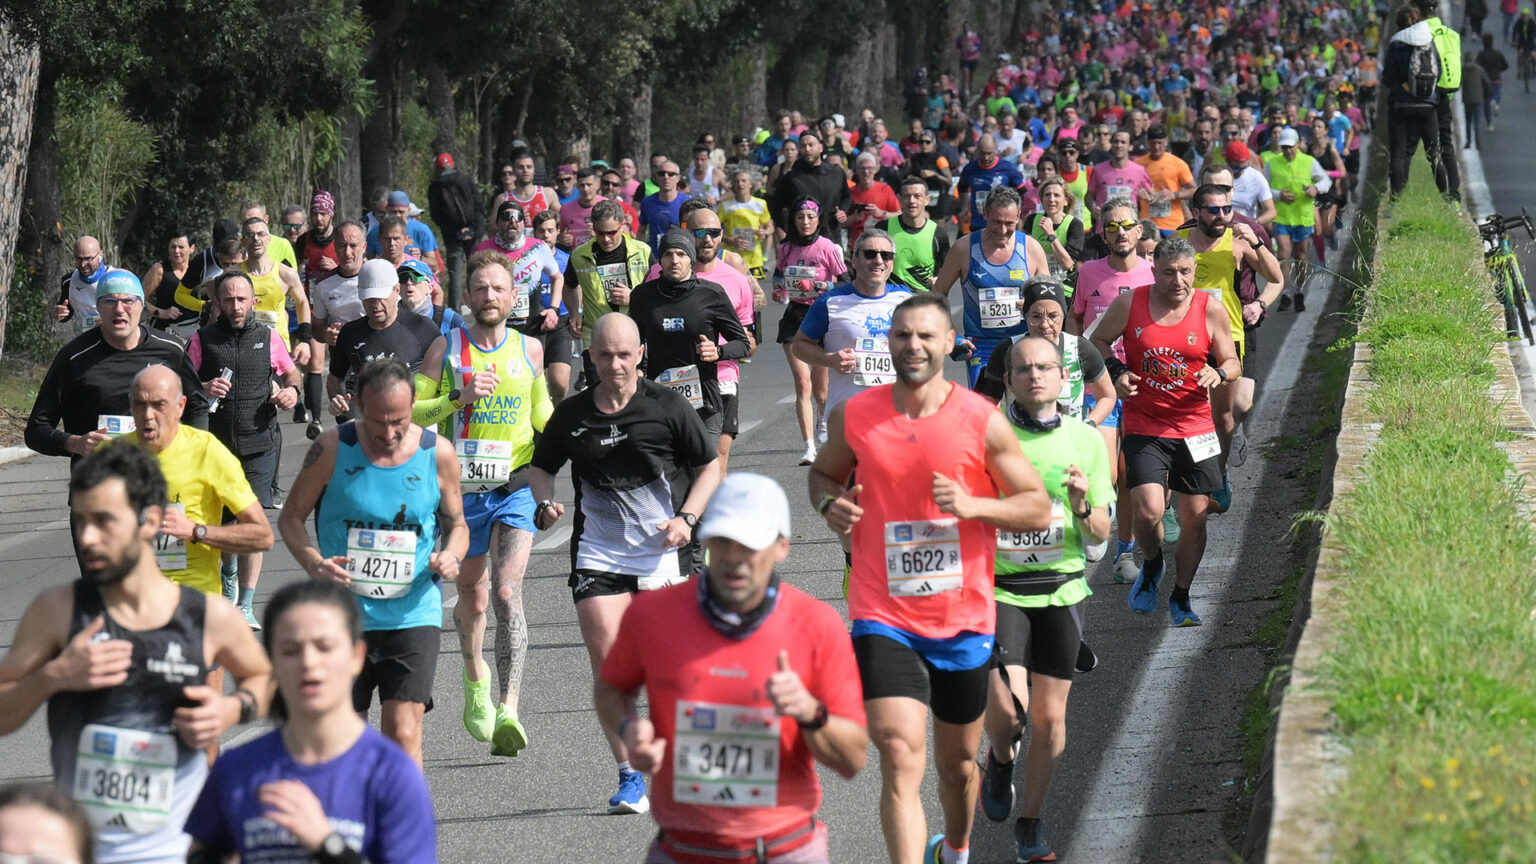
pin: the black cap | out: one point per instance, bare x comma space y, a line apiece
677, 238
1036, 290
225, 229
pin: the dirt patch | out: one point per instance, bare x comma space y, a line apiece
19, 378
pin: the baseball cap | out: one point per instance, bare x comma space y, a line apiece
398, 198
748, 508
413, 270
443, 160
1288, 137
119, 282
1236, 153
377, 280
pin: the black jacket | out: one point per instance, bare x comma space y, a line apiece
454, 203
825, 184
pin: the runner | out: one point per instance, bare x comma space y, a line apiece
275, 282
1251, 195
931, 460
453, 199
319, 253
416, 288
808, 264
120, 656
383, 490
873, 200
1119, 177
323, 786
490, 397
1056, 229
796, 684
420, 242
530, 260
77, 290
991, 265
1224, 247
334, 302
658, 210
559, 345
385, 330
1172, 182
812, 177
182, 266
919, 241
983, 174
576, 217
1295, 179
1169, 330
86, 388
1040, 583
643, 469
533, 198
40, 819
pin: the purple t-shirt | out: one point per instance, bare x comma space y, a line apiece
373, 794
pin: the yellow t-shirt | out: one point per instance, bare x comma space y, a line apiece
742, 219
204, 479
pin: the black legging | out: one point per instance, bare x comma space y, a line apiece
1406, 129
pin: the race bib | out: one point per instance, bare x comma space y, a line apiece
979, 199
1125, 192
874, 364
1159, 209
933, 197
999, 307
381, 564
1202, 447
727, 388
115, 424
483, 464
725, 755
171, 552
684, 381
612, 276
87, 321
747, 234
520, 306
124, 778
266, 317
1036, 547
794, 276
922, 557
1213, 293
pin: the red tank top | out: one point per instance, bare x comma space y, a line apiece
1169, 403
311, 254
533, 206
915, 568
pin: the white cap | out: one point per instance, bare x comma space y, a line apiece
840, 120
748, 508
377, 280
1288, 137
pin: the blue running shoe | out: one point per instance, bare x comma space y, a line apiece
1143, 596
934, 853
631, 795
1222, 498
1031, 843
1182, 615
997, 792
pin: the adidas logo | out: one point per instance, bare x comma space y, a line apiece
117, 821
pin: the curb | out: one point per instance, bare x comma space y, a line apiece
16, 454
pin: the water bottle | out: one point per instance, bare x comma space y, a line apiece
225, 374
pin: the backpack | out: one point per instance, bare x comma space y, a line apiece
1423, 72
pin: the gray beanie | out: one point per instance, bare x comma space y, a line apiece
678, 238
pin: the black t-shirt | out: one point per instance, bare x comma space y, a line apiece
619, 255
357, 343
992, 385
672, 317
631, 469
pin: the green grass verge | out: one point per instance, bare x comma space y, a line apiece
1434, 677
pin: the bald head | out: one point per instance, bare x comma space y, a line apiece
157, 377
156, 399
87, 255
615, 330
87, 245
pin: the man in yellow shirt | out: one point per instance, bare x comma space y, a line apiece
203, 480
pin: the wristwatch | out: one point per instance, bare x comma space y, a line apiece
1263, 307
1050, 238
692, 520
1221, 373
332, 848
817, 721
1087, 511
824, 504
453, 396
200, 533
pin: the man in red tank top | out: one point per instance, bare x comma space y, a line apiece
932, 460
1169, 330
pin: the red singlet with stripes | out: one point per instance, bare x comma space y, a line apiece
1169, 402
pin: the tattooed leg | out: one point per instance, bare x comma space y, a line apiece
510, 547
469, 615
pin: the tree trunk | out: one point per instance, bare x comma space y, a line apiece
754, 102
343, 178
376, 147
440, 105
19, 65
632, 134
865, 76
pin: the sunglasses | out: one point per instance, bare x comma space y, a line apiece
412, 278
508, 173
564, 178
293, 226
666, 173
1127, 225
1219, 209
711, 233
872, 254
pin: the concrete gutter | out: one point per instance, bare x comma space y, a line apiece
15, 454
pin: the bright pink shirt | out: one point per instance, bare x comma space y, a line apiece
1098, 284
1110, 182
578, 220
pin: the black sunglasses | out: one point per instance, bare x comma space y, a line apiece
711, 233
872, 254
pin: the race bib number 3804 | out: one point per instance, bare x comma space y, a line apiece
922, 557
125, 777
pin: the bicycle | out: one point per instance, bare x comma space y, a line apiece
1508, 280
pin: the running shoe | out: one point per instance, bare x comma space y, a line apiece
997, 792
1143, 596
1285, 302
821, 431
1239, 447
1031, 840
1182, 615
1095, 551
479, 713
1222, 498
509, 737
810, 453
934, 854
250, 618
314, 429
1171, 529
229, 578
631, 795
1125, 568
1301, 302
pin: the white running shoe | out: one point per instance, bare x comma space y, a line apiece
810, 453
1239, 447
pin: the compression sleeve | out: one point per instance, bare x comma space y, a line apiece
185, 297
543, 406
433, 409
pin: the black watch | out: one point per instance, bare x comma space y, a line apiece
817, 721
1087, 511
332, 849
690, 519
1221, 373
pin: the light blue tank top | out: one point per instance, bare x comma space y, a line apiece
981, 274
364, 500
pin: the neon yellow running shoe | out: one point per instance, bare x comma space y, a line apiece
509, 739
479, 716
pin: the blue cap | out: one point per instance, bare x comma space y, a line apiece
414, 267
398, 198
119, 282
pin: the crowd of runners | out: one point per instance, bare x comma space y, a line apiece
1121, 204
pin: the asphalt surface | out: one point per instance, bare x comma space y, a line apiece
1152, 772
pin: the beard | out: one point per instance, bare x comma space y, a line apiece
1213, 230
112, 572
490, 316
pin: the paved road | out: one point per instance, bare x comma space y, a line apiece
1152, 772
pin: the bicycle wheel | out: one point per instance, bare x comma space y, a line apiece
1521, 298
1502, 291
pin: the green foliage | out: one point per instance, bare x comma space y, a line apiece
104, 159
1434, 686
29, 327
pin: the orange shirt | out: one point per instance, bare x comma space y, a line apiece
1172, 174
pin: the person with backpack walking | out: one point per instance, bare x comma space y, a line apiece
1447, 44
1410, 74
454, 202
